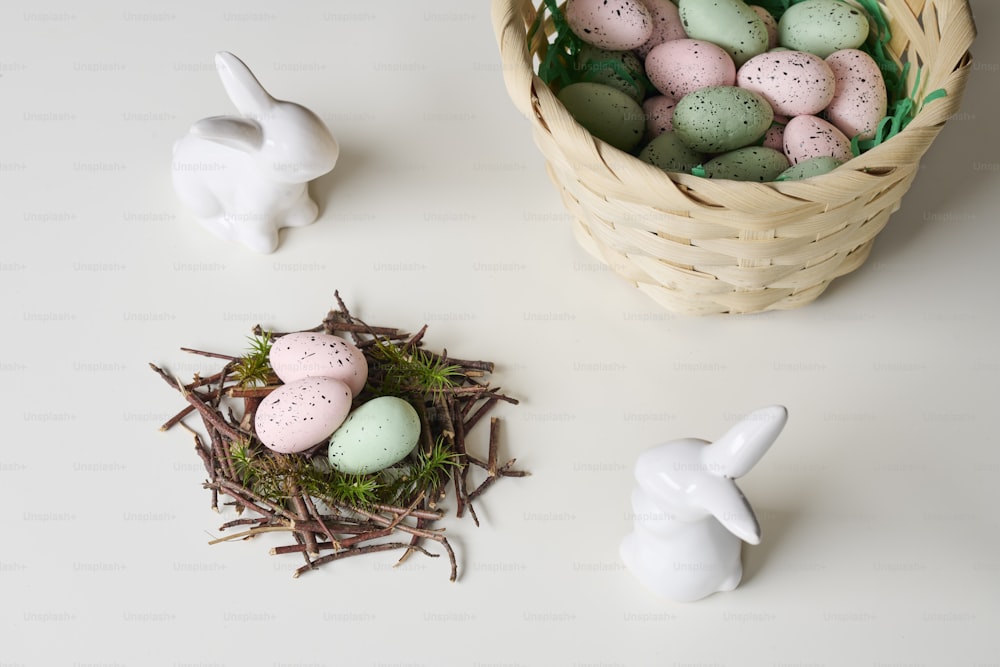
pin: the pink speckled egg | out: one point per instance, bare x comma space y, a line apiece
807, 137
795, 83
666, 25
616, 25
770, 24
683, 66
860, 100
659, 112
312, 354
775, 135
298, 415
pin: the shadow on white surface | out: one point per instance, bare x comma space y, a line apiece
776, 527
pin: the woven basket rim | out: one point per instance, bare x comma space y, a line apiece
876, 161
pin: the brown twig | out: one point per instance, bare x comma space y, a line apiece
461, 471
217, 394
336, 545
357, 551
432, 515
429, 534
176, 419
205, 453
333, 326
200, 381
414, 340
251, 392
251, 500
259, 520
494, 446
307, 535
208, 414
221, 451
481, 412
484, 366
258, 330
314, 514
214, 355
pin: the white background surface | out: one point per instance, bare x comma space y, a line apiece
878, 503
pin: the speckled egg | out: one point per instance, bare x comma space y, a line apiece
860, 101
795, 83
659, 111
618, 25
807, 137
822, 27
731, 24
682, 66
669, 153
770, 24
300, 414
606, 112
775, 135
721, 118
312, 354
618, 69
666, 25
751, 163
816, 166
376, 435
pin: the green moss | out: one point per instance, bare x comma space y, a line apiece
254, 367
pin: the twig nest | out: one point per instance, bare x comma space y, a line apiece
376, 435
416, 428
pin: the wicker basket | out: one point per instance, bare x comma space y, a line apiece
701, 246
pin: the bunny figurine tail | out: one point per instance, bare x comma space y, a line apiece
690, 518
247, 176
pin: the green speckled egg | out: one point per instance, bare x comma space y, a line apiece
374, 436
731, 24
619, 69
751, 163
606, 112
669, 153
809, 168
822, 27
721, 118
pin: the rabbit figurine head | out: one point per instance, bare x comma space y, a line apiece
245, 177
689, 515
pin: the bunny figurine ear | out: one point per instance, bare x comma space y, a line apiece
242, 86
239, 133
724, 500
735, 453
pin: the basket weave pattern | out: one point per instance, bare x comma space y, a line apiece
702, 246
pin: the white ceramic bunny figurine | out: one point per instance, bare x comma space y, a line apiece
689, 514
245, 177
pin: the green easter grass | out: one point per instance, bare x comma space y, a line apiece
326, 511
